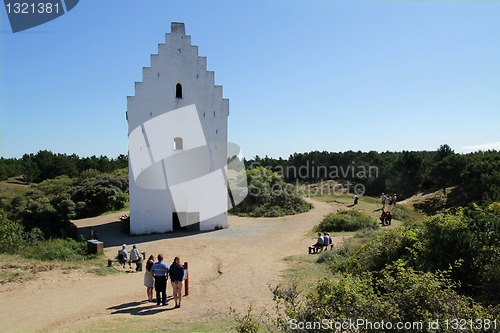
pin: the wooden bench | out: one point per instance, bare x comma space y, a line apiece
314, 249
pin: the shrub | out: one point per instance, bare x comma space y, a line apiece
346, 220
494, 208
99, 194
471, 238
34, 210
269, 196
246, 323
11, 235
397, 294
467, 241
57, 249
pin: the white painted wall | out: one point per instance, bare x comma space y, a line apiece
177, 61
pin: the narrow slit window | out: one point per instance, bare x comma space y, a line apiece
178, 90
178, 143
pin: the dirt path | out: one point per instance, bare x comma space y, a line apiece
228, 268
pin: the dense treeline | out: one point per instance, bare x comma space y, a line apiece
47, 165
405, 173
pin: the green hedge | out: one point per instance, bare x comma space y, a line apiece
346, 220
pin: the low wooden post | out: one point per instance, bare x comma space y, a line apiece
186, 279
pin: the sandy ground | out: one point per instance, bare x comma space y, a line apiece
227, 268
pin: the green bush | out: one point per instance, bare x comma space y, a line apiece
396, 294
494, 208
57, 249
35, 210
346, 220
246, 323
269, 196
467, 241
11, 235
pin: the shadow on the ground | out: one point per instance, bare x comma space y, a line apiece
114, 234
143, 308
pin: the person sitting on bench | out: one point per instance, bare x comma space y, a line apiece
326, 241
319, 243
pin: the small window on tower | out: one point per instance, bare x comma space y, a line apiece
178, 144
178, 90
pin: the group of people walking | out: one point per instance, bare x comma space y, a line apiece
156, 276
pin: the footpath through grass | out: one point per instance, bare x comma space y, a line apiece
307, 269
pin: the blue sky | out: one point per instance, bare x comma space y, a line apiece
300, 75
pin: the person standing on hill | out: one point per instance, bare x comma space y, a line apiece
160, 272
176, 272
389, 204
384, 199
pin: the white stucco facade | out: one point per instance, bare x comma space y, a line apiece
178, 123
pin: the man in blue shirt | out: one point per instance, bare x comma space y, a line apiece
160, 272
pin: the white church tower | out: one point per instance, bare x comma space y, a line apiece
177, 125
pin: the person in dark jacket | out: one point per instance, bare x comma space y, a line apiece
176, 271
